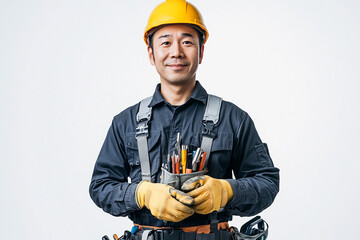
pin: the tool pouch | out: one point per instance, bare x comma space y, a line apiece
177, 180
176, 234
241, 236
254, 229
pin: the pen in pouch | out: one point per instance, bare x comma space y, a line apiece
173, 163
202, 162
183, 158
177, 164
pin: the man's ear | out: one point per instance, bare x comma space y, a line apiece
151, 56
201, 53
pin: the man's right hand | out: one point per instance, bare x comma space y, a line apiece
164, 202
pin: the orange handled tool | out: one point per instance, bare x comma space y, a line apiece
202, 162
177, 164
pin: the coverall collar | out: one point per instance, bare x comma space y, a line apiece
198, 94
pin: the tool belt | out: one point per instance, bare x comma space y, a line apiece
255, 229
201, 229
203, 232
177, 234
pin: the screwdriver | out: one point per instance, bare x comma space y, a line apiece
183, 158
196, 159
178, 144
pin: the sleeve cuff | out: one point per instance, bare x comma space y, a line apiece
239, 193
130, 201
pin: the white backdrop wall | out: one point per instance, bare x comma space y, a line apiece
67, 67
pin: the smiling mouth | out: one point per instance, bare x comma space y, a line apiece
177, 66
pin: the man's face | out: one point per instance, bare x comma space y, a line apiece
176, 53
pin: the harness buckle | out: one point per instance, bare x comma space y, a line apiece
142, 129
208, 129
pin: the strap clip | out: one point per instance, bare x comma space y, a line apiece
142, 129
208, 129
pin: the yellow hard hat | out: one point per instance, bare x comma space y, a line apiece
172, 12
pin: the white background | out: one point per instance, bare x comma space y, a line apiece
67, 67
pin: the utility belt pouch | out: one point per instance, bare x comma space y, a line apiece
254, 229
180, 235
241, 236
177, 180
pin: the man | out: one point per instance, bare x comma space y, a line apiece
175, 36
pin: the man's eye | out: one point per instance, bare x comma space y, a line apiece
187, 42
165, 43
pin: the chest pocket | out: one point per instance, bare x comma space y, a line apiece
133, 158
220, 154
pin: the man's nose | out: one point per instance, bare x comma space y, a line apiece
176, 50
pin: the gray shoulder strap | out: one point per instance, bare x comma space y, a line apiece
144, 112
212, 110
211, 118
142, 132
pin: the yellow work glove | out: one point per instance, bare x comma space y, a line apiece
210, 194
163, 201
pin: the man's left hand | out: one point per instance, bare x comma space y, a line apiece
209, 194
